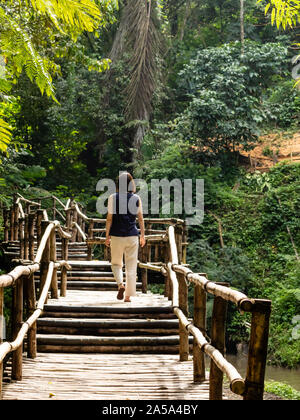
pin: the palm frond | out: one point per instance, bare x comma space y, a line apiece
5, 135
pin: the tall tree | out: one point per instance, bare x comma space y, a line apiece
138, 37
22, 51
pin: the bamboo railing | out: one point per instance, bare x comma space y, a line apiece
165, 253
21, 278
178, 277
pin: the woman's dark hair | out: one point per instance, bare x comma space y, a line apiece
125, 183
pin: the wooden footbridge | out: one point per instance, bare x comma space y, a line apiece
67, 337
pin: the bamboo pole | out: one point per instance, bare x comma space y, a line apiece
144, 271
45, 254
257, 354
17, 320
217, 341
199, 322
31, 220
183, 305
39, 218
31, 335
63, 280
21, 238
26, 238
16, 224
54, 286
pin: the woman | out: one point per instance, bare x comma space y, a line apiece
122, 234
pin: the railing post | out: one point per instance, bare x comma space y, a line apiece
39, 218
257, 354
183, 305
31, 334
54, 287
144, 271
168, 282
21, 238
31, 219
45, 260
26, 238
178, 239
218, 341
17, 320
1, 335
16, 224
65, 256
90, 237
184, 243
199, 322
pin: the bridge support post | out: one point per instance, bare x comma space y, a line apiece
199, 322
31, 334
17, 320
54, 288
21, 237
218, 341
31, 220
26, 238
257, 354
45, 259
65, 256
183, 305
39, 218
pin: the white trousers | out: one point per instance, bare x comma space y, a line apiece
127, 246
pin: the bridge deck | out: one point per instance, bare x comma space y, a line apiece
106, 376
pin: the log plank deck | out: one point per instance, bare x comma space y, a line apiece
65, 376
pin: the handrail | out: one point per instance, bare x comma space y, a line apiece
237, 383
249, 388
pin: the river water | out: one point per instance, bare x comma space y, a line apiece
289, 376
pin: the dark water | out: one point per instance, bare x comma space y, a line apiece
289, 376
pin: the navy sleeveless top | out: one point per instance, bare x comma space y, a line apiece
125, 209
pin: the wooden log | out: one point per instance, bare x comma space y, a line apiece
199, 322
31, 220
240, 299
17, 320
21, 238
168, 285
45, 258
26, 238
21, 270
217, 341
54, 284
144, 271
65, 256
31, 300
39, 218
16, 223
183, 305
257, 353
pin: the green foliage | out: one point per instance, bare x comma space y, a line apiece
26, 53
283, 12
282, 390
283, 105
223, 91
